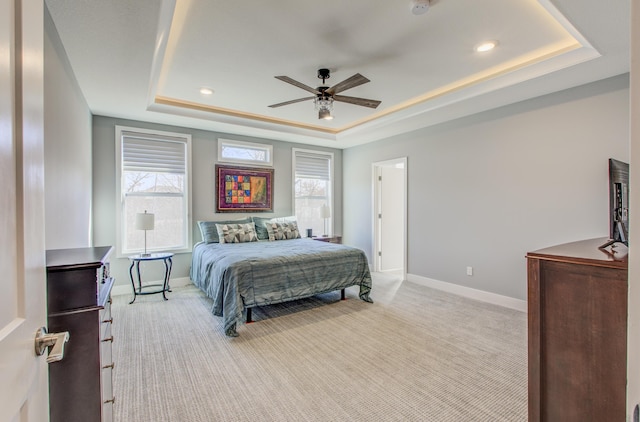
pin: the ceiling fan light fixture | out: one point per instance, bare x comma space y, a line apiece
324, 96
420, 7
324, 105
325, 114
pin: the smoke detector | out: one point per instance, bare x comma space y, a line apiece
420, 7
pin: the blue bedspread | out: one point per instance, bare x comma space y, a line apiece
243, 275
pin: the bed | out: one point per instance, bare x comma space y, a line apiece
240, 276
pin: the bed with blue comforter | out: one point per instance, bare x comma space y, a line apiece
240, 276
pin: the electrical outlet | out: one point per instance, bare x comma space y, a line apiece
469, 270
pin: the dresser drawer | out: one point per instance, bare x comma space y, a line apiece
108, 396
106, 362
105, 313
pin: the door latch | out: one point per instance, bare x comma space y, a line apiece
54, 340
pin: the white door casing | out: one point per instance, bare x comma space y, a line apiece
23, 375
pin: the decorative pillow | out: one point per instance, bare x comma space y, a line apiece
282, 231
261, 228
237, 233
209, 231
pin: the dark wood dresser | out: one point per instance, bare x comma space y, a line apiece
79, 301
577, 300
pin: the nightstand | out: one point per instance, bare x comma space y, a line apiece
329, 239
166, 258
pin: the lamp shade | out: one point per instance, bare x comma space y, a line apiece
144, 221
325, 211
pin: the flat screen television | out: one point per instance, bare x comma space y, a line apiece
618, 203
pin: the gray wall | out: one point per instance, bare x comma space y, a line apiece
67, 147
204, 157
486, 189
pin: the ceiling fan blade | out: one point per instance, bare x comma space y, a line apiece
357, 101
348, 83
291, 102
298, 84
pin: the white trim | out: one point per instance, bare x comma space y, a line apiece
481, 295
125, 289
250, 145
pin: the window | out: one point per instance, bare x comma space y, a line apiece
244, 152
153, 172
313, 190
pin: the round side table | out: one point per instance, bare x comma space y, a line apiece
165, 257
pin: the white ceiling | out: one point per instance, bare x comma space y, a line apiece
147, 59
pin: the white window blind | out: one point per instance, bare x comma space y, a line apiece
313, 190
312, 166
153, 176
152, 155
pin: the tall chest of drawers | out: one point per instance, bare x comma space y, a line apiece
79, 301
577, 303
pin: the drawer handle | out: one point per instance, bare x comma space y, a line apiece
112, 366
108, 321
113, 400
108, 339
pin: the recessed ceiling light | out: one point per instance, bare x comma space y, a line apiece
206, 91
485, 46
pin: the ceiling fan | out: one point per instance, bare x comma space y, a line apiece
325, 96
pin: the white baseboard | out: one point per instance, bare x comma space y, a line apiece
125, 289
481, 295
392, 270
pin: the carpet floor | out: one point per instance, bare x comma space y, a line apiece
416, 354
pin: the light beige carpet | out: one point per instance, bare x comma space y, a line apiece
416, 354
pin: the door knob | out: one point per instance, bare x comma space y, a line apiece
54, 340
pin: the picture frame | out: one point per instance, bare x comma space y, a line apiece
242, 189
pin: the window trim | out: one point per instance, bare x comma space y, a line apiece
119, 205
331, 157
240, 144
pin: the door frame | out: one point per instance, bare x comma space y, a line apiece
377, 197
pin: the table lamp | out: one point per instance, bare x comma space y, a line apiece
325, 212
144, 221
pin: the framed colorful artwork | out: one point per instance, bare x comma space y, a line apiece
242, 189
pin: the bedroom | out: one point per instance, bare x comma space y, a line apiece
510, 166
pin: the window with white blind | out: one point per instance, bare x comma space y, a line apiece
153, 172
313, 191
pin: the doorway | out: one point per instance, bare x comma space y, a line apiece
390, 216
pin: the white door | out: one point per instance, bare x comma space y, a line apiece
23, 375
390, 216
